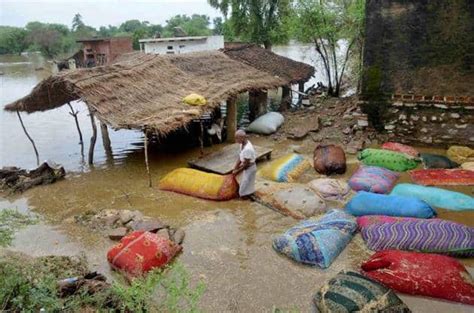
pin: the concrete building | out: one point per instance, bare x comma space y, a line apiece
177, 45
103, 51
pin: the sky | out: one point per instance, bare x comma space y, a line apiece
98, 12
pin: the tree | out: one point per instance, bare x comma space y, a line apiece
50, 39
218, 26
258, 21
196, 25
335, 27
12, 40
77, 22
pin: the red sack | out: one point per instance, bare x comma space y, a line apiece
329, 159
140, 252
414, 273
394, 146
442, 177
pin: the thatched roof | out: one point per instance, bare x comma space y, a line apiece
146, 91
290, 70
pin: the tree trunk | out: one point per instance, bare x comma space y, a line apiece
93, 138
285, 98
268, 45
231, 118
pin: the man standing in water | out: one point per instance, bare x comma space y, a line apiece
245, 165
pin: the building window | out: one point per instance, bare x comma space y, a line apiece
170, 47
182, 46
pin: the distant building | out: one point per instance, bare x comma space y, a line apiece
177, 45
103, 51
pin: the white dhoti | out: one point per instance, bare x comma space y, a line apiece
247, 181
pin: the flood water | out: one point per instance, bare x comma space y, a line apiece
228, 245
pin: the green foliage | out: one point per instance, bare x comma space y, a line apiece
11, 221
262, 22
12, 40
77, 22
194, 25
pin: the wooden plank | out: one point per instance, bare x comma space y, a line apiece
223, 161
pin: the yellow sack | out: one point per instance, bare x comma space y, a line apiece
200, 184
194, 99
461, 154
285, 169
468, 166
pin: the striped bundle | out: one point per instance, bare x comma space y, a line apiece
286, 169
423, 235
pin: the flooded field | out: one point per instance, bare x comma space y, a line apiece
227, 244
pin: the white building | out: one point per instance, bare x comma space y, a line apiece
177, 45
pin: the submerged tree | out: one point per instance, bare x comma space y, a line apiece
258, 21
335, 27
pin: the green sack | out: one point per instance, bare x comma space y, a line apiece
391, 160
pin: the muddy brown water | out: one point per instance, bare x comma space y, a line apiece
227, 244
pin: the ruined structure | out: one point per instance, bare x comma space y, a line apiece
418, 81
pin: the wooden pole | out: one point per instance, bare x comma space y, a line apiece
231, 118
81, 142
301, 91
145, 144
285, 98
106, 141
93, 138
262, 101
29, 137
201, 137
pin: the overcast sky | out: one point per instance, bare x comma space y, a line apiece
98, 12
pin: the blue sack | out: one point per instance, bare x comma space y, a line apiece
367, 203
317, 242
436, 197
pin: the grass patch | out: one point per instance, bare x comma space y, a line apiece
11, 221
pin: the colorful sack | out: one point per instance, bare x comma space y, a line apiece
317, 242
398, 147
142, 251
468, 166
414, 273
329, 159
394, 161
266, 124
200, 184
461, 154
373, 179
330, 188
437, 161
367, 203
368, 220
351, 292
422, 235
194, 99
442, 177
285, 169
436, 197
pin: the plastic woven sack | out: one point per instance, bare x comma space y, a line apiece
352, 292
422, 235
461, 154
194, 99
329, 159
437, 161
330, 188
200, 184
140, 252
391, 160
317, 242
266, 124
398, 147
367, 203
436, 197
422, 274
442, 177
285, 169
373, 179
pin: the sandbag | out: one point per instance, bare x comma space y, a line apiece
437, 161
266, 124
468, 166
460, 154
350, 292
391, 160
423, 274
330, 188
368, 203
194, 99
200, 184
329, 159
373, 179
285, 169
422, 235
317, 242
442, 177
436, 197
140, 252
295, 200
398, 147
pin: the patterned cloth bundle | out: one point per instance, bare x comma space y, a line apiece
286, 169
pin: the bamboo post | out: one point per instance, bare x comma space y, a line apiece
201, 138
145, 144
29, 137
74, 114
231, 118
93, 138
106, 141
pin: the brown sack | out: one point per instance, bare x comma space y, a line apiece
329, 159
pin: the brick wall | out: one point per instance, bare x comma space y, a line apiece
119, 46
